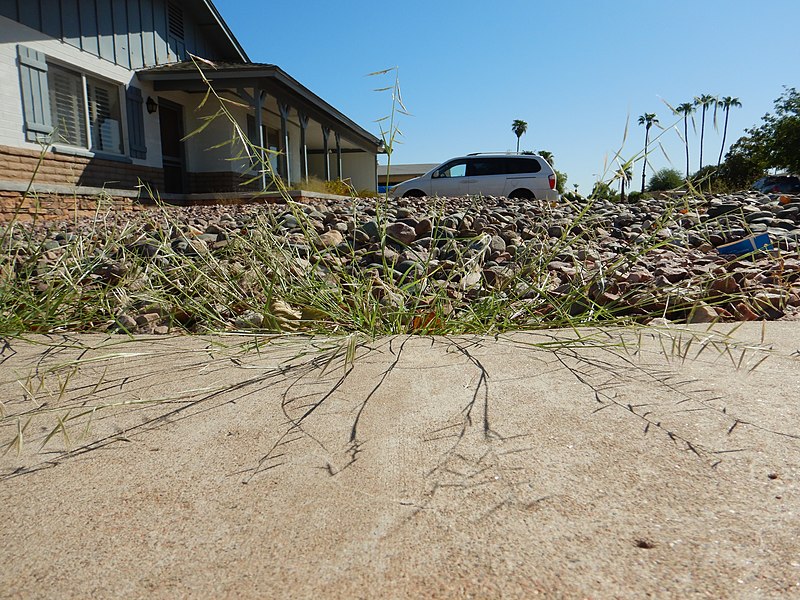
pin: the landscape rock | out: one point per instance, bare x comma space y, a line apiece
636, 257
329, 239
401, 232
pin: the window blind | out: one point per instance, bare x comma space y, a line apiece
104, 116
67, 106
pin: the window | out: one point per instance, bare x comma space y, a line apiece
62, 105
486, 166
453, 169
522, 165
104, 116
85, 112
67, 106
271, 139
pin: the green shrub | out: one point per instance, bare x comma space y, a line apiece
561, 181
636, 196
664, 180
603, 191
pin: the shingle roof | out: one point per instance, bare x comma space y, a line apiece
188, 66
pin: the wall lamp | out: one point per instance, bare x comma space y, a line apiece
152, 105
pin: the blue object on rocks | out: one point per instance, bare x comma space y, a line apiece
758, 241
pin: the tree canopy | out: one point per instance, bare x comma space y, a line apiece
519, 127
665, 179
775, 144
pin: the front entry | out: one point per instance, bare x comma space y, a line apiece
171, 117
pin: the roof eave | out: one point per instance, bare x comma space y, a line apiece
248, 78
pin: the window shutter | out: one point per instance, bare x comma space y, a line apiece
35, 96
136, 123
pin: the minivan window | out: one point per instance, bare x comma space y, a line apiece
522, 165
452, 169
486, 166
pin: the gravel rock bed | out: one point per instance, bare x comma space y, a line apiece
653, 258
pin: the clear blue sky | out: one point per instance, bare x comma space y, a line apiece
576, 71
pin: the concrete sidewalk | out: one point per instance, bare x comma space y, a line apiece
626, 464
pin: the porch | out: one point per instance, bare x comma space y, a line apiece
296, 133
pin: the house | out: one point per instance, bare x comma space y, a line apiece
102, 94
390, 175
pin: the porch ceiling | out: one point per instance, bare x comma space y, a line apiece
186, 77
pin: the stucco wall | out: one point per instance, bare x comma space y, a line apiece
360, 169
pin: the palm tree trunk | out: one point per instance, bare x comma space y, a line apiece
724, 134
517, 144
644, 166
702, 135
686, 141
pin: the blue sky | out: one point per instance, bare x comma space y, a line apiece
576, 71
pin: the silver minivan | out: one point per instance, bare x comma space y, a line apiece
512, 175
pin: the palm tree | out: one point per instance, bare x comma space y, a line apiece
686, 109
519, 127
648, 120
726, 103
548, 156
624, 174
703, 101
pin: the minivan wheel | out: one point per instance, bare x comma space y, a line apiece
414, 194
522, 194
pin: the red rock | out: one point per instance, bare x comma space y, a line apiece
742, 312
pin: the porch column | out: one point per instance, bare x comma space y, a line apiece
338, 139
259, 97
283, 162
256, 138
303, 147
325, 133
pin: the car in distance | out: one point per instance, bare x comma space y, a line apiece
778, 184
526, 176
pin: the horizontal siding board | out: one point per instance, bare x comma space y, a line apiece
148, 37
51, 18
135, 34
120, 15
71, 22
89, 33
105, 29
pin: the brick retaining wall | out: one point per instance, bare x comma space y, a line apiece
17, 164
68, 186
56, 206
